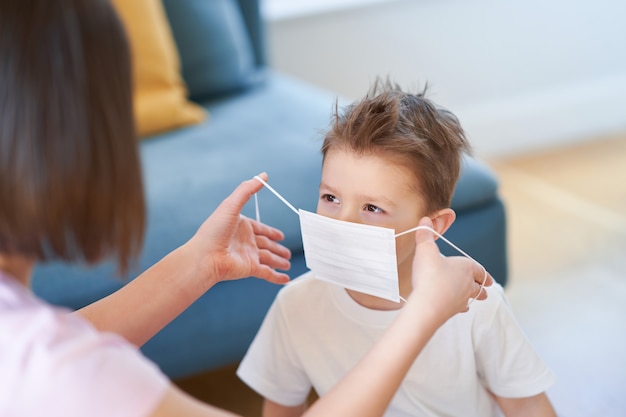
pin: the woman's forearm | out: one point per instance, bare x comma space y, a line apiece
148, 303
227, 246
368, 389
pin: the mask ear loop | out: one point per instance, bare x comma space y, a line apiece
288, 204
482, 286
280, 197
256, 208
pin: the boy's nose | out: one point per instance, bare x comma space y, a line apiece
348, 214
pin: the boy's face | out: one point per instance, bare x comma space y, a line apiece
370, 189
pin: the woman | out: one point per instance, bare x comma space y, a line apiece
71, 188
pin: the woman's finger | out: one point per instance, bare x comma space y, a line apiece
274, 261
265, 230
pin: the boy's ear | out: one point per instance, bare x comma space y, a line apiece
443, 219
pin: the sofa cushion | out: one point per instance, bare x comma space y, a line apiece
214, 46
187, 173
160, 101
476, 187
190, 171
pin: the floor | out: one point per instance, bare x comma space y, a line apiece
567, 250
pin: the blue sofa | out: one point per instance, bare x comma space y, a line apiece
259, 120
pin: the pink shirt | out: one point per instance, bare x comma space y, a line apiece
53, 363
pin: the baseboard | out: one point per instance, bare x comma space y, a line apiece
547, 119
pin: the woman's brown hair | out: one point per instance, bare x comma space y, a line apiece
70, 177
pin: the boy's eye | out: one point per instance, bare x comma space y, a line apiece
372, 208
330, 198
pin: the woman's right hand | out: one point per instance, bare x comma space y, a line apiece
230, 246
444, 284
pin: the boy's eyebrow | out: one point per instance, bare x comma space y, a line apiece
365, 197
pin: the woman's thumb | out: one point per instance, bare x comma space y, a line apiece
424, 232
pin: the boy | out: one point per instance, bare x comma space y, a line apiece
389, 160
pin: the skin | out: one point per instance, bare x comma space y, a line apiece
367, 189
374, 190
443, 287
229, 246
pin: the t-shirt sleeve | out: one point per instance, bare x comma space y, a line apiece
271, 367
67, 368
507, 361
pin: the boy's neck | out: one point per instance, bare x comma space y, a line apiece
373, 303
377, 303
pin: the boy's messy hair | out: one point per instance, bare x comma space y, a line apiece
408, 128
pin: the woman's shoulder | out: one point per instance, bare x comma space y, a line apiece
47, 351
23, 316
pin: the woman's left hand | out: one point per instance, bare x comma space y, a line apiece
230, 246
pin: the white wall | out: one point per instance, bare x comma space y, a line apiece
521, 75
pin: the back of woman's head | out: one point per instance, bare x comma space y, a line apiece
70, 180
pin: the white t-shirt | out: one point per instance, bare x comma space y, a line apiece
314, 333
53, 363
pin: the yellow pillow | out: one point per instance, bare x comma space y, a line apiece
160, 95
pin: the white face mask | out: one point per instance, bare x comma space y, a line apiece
358, 257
